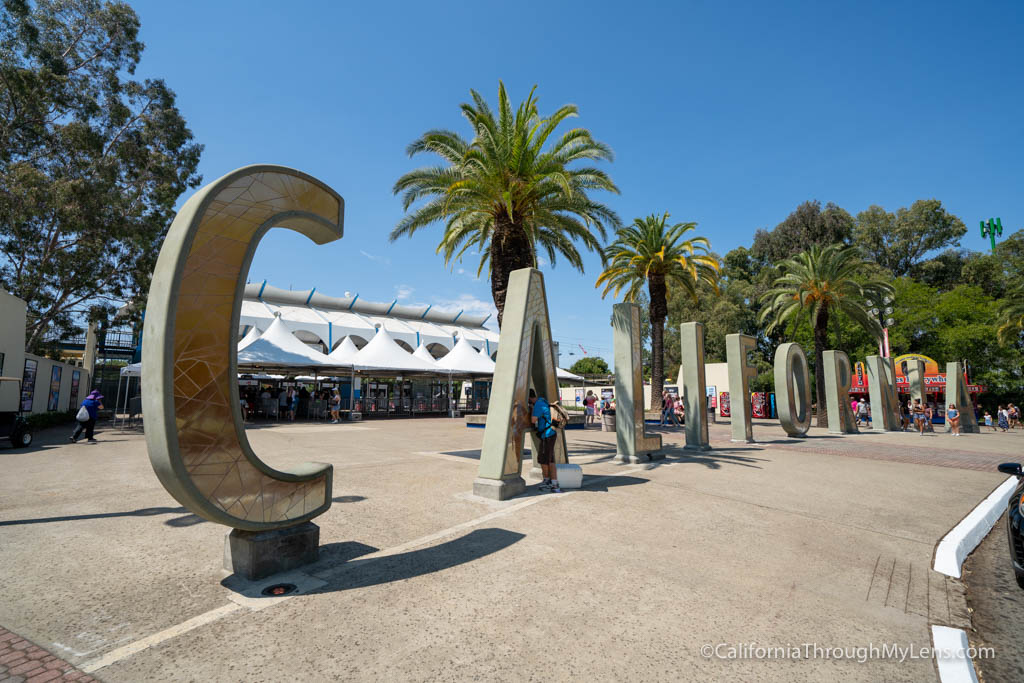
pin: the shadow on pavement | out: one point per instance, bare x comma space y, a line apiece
357, 573
142, 512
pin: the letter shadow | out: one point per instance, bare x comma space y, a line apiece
355, 573
142, 512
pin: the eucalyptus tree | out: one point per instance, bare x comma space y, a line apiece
506, 193
91, 160
818, 285
654, 254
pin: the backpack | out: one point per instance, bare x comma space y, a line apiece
559, 416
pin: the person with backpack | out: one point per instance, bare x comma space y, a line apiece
91, 405
541, 419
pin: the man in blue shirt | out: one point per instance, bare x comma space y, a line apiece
541, 419
93, 404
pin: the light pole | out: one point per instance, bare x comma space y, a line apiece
884, 317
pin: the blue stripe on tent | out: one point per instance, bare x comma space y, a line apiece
262, 287
391, 306
417, 339
310, 295
353, 302
485, 319
330, 337
426, 311
457, 316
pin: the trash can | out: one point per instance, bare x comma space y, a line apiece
607, 422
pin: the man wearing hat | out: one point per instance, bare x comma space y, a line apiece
92, 404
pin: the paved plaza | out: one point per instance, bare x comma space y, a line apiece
826, 540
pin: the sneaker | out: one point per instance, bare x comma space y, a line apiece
72, 439
92, 440
555, 489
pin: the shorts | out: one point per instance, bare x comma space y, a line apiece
547, 451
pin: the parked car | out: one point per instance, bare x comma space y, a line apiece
1015, 520
12, 423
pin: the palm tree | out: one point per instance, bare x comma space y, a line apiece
822, 282
653, 253
1011, 317
504, 195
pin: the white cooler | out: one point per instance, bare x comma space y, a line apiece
569, 476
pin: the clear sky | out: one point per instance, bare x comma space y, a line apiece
729, 114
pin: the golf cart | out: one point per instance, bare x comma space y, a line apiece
12, 423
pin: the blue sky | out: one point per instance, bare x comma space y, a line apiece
727, 114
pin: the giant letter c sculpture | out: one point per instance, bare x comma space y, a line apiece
194, 432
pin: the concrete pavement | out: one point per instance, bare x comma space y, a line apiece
775, 543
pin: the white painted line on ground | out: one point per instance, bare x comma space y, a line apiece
954, 548
158, 637
952, 655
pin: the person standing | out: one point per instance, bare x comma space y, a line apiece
1013, 413
541, 420
335, 407
92, 404
1004, 418
919, 417
861, 412
953, 415
589, 408
988, 421
668, 410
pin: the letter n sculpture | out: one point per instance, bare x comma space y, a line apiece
526, 360
633, 444
194, 432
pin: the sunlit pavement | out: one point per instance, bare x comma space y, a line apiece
825, 541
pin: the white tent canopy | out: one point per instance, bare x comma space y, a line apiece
465, 359
252, 335
565, 374
279, 347
422, 353
344, 353
382, 353
133, 370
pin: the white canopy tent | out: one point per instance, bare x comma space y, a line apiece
464, 359
422, 353
252, 335
278, 347
344, 352
382, 353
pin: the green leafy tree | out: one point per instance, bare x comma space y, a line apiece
91, 161
590, 365
807, 226
650, 252
899, 242
1011, 318
504, 194
815, 284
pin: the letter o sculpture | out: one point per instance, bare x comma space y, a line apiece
793, 389
194, 430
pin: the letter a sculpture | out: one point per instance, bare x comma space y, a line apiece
194, 433
525, 360
633, 444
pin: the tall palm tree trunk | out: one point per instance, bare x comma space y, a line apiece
820, 342
658, 312
510, 250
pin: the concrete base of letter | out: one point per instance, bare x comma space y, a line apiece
259, 554
498, 489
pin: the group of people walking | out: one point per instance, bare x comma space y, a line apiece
1007, 418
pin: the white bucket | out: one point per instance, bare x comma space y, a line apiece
569, 476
